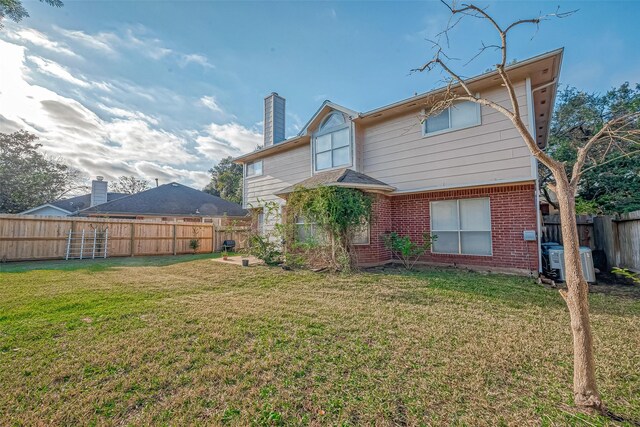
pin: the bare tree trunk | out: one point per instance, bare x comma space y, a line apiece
585, 392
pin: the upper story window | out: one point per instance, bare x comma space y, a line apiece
332, 143
459, 116
254, 168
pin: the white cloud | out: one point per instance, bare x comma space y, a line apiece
56, 70
99, 41
121, 112
133, 38
211, 103
230, 139
122, 140
150, 47
195, 58
136, 140
38, 39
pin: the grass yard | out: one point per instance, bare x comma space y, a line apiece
186, 340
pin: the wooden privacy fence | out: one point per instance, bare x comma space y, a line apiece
29, 237
616, 238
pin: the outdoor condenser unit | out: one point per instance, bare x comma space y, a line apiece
556, 262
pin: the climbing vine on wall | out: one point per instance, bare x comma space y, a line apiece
336, 213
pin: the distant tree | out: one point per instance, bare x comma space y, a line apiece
29, 178
226, 180
14, 10
614, 185
129, 185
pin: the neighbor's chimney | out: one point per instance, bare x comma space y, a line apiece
98, 191
273, 119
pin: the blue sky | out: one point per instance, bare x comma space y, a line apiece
164, 89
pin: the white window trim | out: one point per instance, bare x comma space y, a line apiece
255, 174
345, 125
432, 231
478, 122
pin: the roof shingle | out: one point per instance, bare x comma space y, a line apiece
340, 177
169, 199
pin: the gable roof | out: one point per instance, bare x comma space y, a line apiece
74, 204
45, 205
169, 199
322, 111
303, 136
339, 178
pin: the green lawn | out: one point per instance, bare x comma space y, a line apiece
186, 340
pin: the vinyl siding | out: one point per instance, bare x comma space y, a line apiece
396, 152
279, 171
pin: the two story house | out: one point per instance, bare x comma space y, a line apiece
464, 175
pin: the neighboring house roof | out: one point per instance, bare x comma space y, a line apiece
78, 203
46, 205
339, 178
74, 204
171, 199
543, 71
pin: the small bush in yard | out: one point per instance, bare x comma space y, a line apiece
406, 250
194, 244
265, 249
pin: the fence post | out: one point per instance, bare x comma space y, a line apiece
95, 236
105, 243
174, 237
133, 237
213, 238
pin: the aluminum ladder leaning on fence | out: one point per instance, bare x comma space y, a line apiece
79, 242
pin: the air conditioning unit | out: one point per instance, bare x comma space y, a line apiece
556, 262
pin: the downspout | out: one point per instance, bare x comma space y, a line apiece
534, 165
244, 185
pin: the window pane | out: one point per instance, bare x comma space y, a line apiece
334, 119
323, 160
444, 215
446, 242
341, 156
361, 234
340, 138
323, 143
476, 242
438, 122
475, 215
464, 114
250, 169
257, 168
303, 233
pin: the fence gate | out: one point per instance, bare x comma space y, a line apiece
91, 245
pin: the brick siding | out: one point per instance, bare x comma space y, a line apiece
513, 210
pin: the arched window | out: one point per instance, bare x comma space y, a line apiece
333, 119
332, 142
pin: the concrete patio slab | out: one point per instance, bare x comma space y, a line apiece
237, 260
